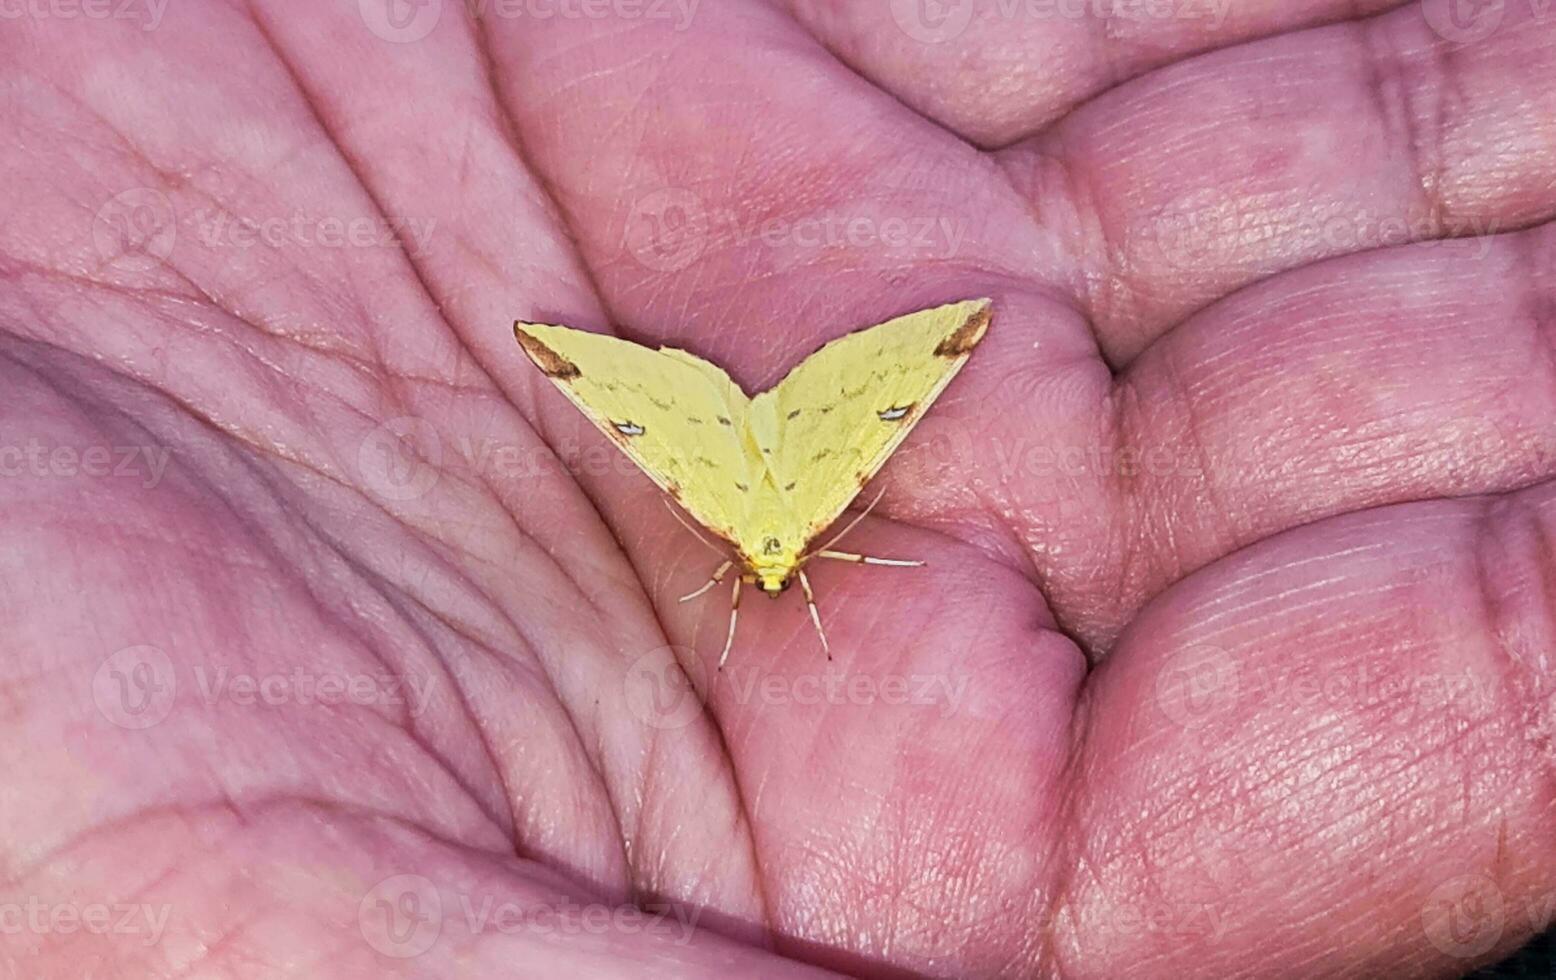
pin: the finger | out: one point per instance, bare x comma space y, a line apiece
986, 68
1398, 375
1328, 748
1206, 176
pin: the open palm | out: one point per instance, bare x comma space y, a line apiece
338, 643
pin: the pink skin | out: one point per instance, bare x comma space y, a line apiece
1234, 653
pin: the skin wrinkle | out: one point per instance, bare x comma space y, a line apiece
394, 596
1521, 680
1390, 92
257, 534
1066, 852
1539, 298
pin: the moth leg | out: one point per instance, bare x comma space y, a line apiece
734, 611
849, 556
718, 576
815, 617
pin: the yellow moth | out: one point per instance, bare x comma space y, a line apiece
766, 474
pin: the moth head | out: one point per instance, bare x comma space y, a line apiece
774, 583
773, 566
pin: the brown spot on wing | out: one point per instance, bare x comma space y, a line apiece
965, 337
549, 361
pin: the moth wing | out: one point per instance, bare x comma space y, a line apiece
843, 411
681, 419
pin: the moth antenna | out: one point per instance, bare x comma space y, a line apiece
851, 524
695, 533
